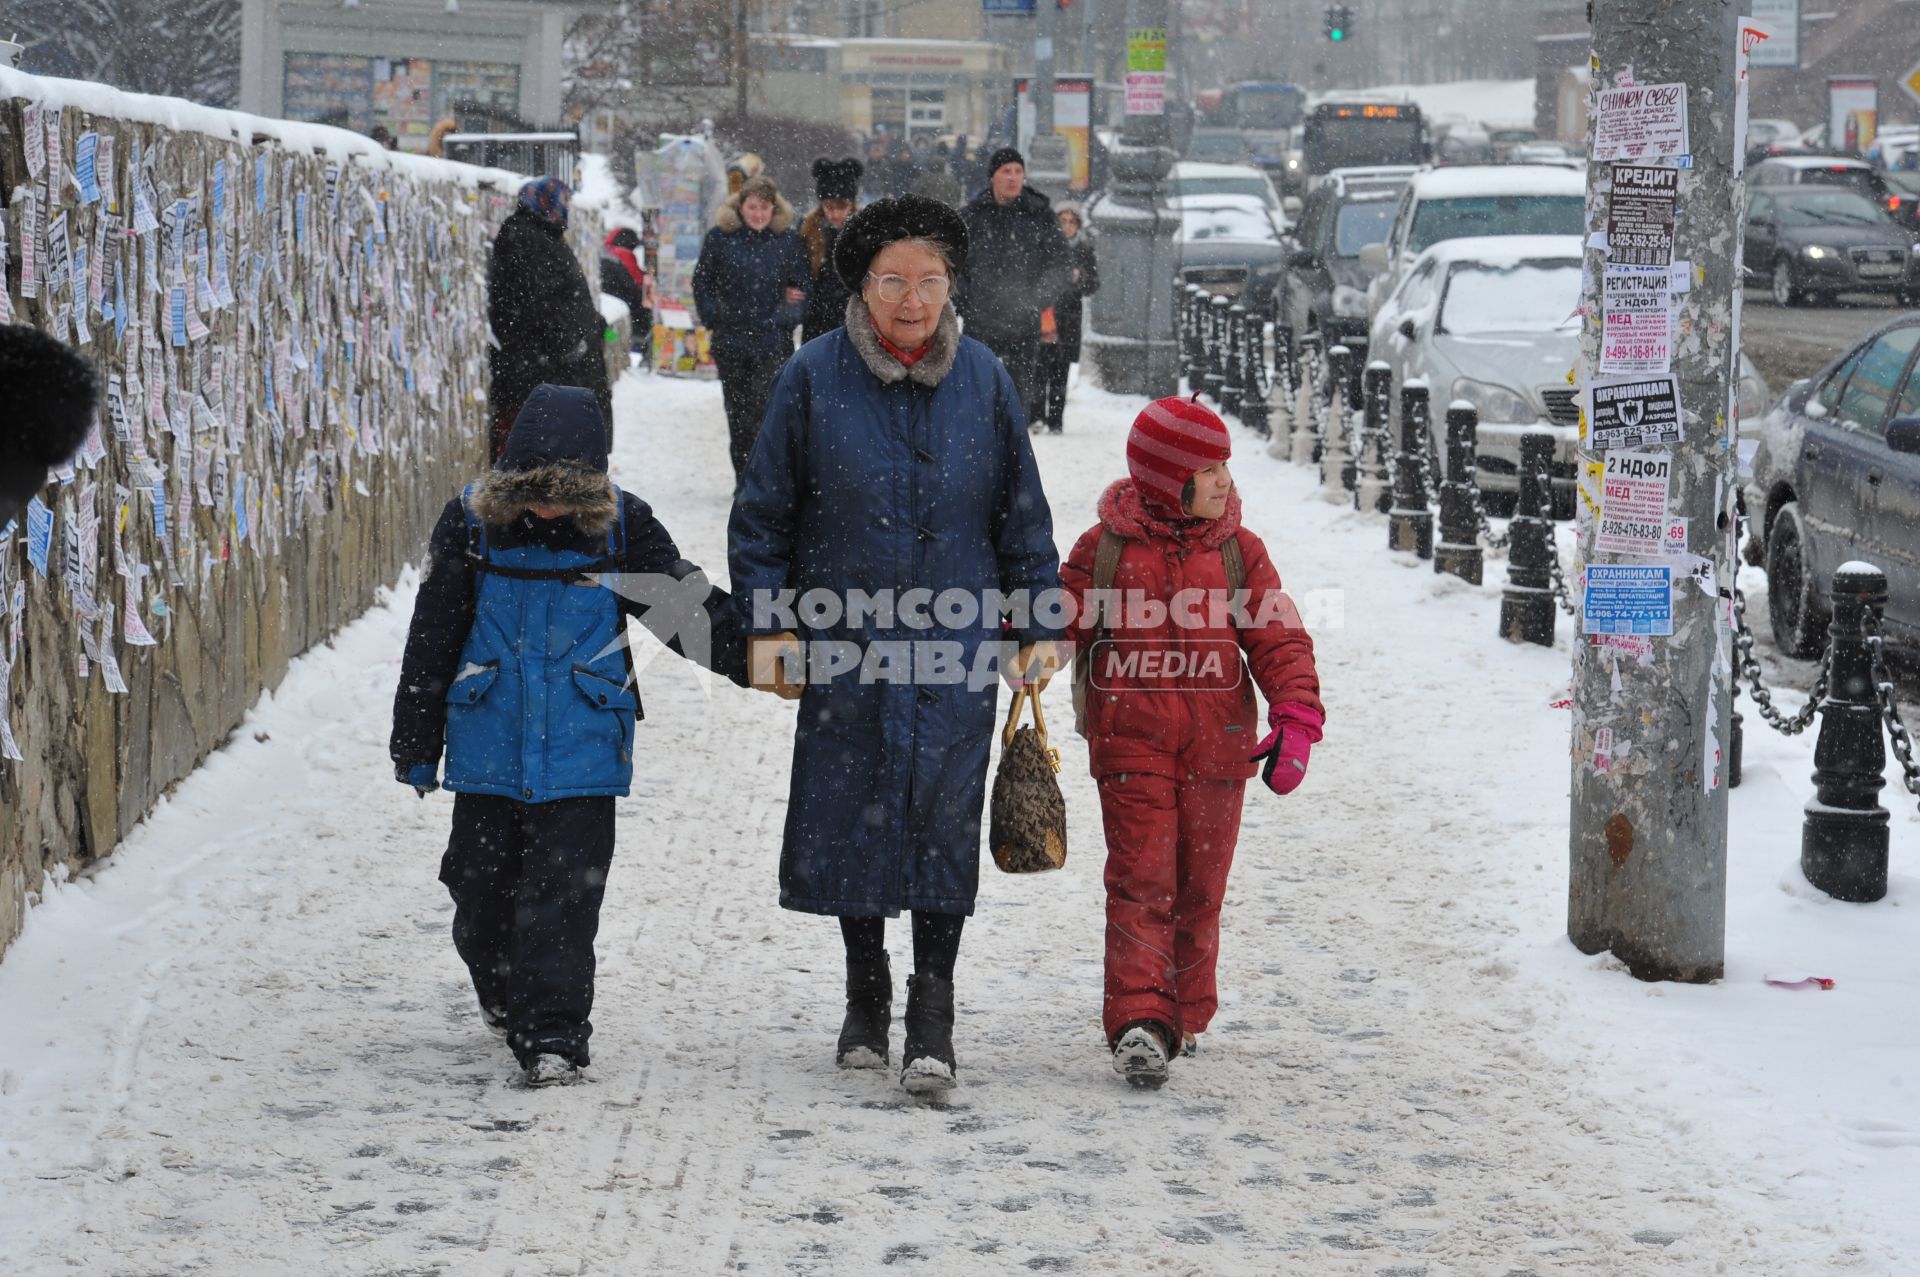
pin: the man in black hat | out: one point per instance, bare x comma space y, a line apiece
48, 395
1018, 262
836, 186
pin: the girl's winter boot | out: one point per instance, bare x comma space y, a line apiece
927, 1064
863, 1034
1140, 1053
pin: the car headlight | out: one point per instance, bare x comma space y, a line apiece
1349, 303
1293, 163
1815, 252
1494, 403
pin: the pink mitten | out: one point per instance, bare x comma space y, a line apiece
1288, 746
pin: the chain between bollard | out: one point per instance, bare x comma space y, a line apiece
1897, 733
1560, 591
1749, 669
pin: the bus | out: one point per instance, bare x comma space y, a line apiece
1359, 133
1266, 114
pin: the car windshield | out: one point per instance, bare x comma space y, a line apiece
1359, 225
1257, 187
1217, 147
1830, 208
1471, 215
1242, 222
1536, 296
1855, 179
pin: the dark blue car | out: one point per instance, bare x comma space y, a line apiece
1837, 478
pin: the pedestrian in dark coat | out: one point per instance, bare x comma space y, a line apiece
836, 186
1058, 356
894, 459
750, 287
1017, 264
1172, 743
545, 321
517, 665
622, 276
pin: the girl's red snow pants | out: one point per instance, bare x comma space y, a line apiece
1169, 845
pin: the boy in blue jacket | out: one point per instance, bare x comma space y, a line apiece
516, 662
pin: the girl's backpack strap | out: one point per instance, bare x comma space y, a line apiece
476, 530
1236, 566
1106, 560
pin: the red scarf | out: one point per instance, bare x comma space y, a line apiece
907, 358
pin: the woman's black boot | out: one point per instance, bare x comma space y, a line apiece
927, 1065
863, 1034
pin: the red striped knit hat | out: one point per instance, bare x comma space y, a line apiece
1171, 440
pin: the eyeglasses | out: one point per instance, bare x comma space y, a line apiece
894, 288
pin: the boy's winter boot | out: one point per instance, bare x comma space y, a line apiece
1140, 1053
927, 1065
863, 1034
552, 1070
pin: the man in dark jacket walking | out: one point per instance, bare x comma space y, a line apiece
836, 184
1017, 265
546, 325
516, 664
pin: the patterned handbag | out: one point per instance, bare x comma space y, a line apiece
1028, 831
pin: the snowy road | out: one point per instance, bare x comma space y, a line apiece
246, 1046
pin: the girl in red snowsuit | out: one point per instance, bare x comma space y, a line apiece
1170, 719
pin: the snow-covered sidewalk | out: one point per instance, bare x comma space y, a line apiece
246, 1046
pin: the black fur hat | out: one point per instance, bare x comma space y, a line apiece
837, 179
48, 395
900, 217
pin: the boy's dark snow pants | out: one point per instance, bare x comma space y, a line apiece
527, 880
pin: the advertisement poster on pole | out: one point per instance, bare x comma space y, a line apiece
1146, 80
1072, 120
1634, 412
1640, 215
1628, 598
1641, 122
1633, 503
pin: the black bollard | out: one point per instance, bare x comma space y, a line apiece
1373, 477
1736, 745
1459, 550
1843, 839
1215, 378
1306, 423
1194, 330
1527, 606
1254, 382
1337, 433
1286, 383
1232, 388
1410, 523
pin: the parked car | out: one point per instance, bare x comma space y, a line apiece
1505, 138
1895, 148
1493, 321
1545, 153
1810, 242
1903, 202
1843, 171
1836, 477
1771, 137
1232, 245
1372, 177
1324, 287
1475, 200
1190, 179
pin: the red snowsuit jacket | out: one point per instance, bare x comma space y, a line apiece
1174, 699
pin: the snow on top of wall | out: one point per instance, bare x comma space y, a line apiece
182, 116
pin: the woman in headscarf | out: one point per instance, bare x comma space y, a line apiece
893, 464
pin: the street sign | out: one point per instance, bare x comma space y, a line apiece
1782, 20
1002, 8
1910, 82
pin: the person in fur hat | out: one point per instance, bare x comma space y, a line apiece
836, 187
49, 394
750, 287
516, 666
894, 457
1171, 742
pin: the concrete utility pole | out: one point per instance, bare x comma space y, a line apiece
1651, 696
1131, 337
1048, 156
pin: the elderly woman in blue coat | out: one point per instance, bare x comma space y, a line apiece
890, 510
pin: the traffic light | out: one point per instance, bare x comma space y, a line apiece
1339, 22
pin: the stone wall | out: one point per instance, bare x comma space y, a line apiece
292, 324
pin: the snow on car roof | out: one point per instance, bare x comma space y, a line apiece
1498, 179
1818, 161
1201, 168
1503, 252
